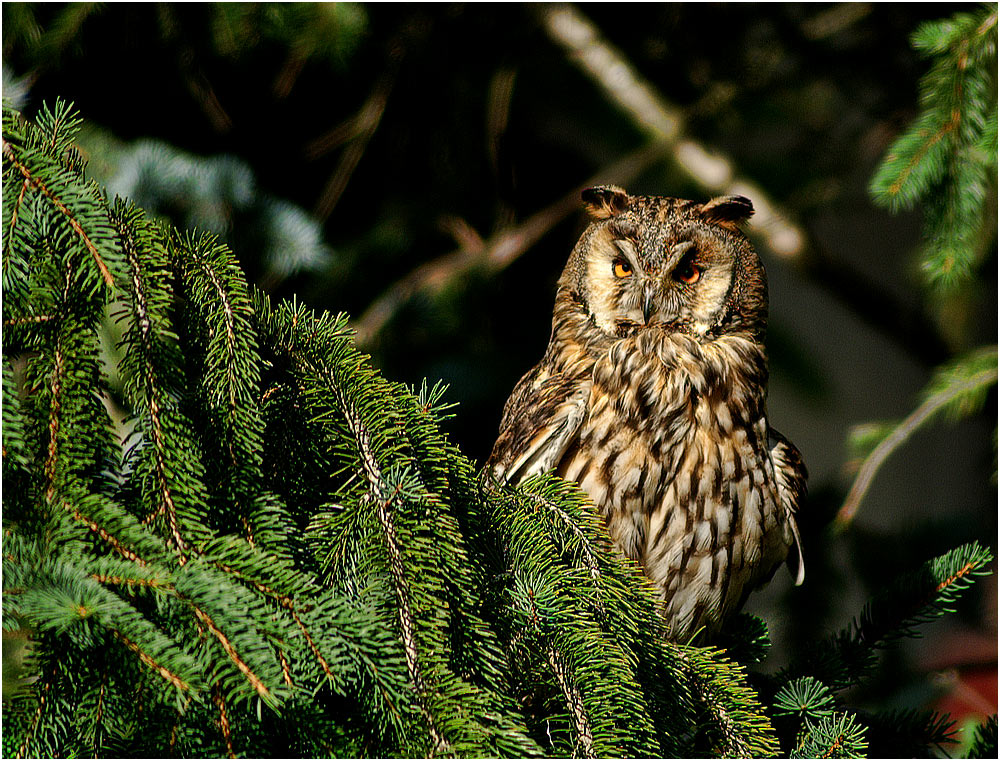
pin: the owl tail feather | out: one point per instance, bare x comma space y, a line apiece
797, 563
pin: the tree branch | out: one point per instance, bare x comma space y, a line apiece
357, 131
901, 433
373, 474
664, 122
8, 151
499, 251
661, 120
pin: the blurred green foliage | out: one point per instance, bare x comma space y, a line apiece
218, 195
946, 160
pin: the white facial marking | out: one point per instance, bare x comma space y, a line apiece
713, 287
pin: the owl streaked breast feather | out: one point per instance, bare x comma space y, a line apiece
651, 395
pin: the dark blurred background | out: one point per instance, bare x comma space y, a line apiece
348, 152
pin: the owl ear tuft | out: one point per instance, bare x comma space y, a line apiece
604, 201
727, 211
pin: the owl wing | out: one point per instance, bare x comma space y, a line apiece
791, 475
539, 422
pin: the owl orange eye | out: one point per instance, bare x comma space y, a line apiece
687, 271
622, 268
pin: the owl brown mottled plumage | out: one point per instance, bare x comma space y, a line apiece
651, 395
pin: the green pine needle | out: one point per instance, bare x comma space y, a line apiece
945, 160
838, 735
805, 698
913, 599
285, 554
985, 743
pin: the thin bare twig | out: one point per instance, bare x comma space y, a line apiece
357, 131
662, 121
833, 20
289, 73
366, 123
872, 463
334, 138
497, 252
498, 113
194, 78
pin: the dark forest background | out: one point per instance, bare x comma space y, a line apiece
347, 152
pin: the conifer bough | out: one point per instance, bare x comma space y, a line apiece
279, 553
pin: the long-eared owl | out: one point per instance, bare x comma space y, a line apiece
652, 396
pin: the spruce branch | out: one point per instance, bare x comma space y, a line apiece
149, 661
130, 582
985, 743
430, 400
210, 261
15, 209
294, 609
584, 734
547, 574
945, 159
148, 333
220, 703
382, 503
914, 598
105, 535
55, 405
28, 320
909, 733
957, 389
370, 426
224, 373
739, 728
804, 697
227, 644
838, 735
22, 751
165, 505
10, 154
234, 656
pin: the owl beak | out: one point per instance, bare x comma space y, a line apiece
648, 305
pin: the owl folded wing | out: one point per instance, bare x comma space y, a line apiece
539, 422
791, 475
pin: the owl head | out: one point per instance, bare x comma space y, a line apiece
653, 261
